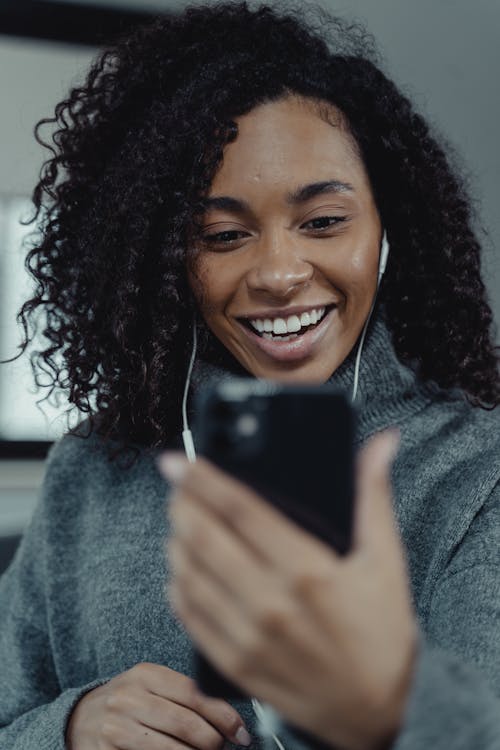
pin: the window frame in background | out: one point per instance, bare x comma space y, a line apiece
75, 24
72, 22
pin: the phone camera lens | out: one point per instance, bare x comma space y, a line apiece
247, 425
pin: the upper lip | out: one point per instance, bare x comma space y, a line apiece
285, 312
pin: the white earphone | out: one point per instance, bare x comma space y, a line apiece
269, 720
384, 255
382, 264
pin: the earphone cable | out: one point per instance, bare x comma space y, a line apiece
186, 432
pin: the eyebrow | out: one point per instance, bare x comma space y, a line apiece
301, 195
305, 193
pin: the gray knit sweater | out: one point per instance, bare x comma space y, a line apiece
83, 599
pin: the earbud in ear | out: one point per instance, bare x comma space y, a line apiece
384, 254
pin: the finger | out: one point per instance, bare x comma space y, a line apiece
374, 517
123, 733
267, 672
217, 551
276, 539
235, 663
176, 721
178, 688
239, 623
260, 641
209, 615
210, 599
234, 596
226, 719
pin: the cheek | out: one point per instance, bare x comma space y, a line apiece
213, 283
361, 269
352, 273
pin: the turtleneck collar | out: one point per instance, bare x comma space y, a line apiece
388, 391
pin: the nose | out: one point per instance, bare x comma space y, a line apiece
277, 269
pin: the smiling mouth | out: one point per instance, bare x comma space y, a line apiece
286, 336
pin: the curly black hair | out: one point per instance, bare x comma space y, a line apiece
134, 152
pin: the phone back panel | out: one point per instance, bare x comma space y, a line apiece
292, 444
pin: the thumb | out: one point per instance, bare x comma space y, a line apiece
373, 517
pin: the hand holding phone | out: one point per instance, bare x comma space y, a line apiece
294, 445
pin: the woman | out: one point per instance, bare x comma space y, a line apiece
242, 167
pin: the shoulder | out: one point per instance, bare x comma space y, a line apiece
77, 455
451, 435
474, 475
476, 440
446, 470
476, 445
473, 433
83, 467
446, 484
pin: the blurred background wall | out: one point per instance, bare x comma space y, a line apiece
443, 53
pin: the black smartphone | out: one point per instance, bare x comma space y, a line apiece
294, 444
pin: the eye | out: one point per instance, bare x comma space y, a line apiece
224, 238
320, 223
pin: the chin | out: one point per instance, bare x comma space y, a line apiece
307, 374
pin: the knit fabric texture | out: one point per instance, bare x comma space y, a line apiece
84, 597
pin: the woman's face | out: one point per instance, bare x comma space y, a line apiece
286, 269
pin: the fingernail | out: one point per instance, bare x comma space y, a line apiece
242, 737
173, 466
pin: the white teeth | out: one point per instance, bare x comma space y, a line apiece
292, 324
271, 337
